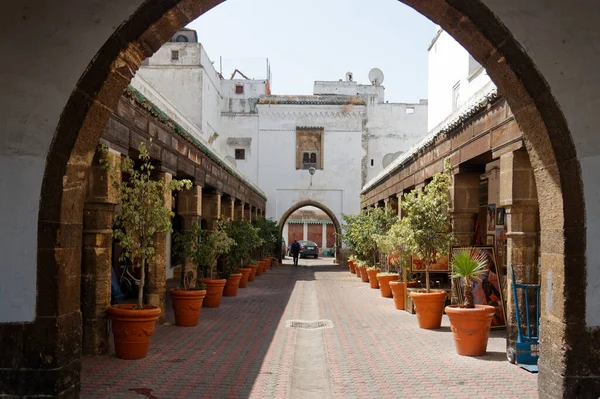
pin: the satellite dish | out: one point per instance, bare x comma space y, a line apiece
376, 76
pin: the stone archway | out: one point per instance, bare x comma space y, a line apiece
329, 212
563, 368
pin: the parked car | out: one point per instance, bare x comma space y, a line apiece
307, 248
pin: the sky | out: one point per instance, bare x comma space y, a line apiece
312, 40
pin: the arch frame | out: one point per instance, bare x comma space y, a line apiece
473, 24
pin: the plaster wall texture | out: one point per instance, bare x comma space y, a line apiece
241, 132
349, 88
449, 66
246, 101
67, 34
391, 130
336, 186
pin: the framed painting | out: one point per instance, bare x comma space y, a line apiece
500, 216
487, 291
490, 239
491, 218
417, 265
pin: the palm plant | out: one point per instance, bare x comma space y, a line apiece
468, 264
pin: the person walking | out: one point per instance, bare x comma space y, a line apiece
295, 250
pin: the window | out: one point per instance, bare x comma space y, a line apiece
372, 162
474, 67
309, 160
239, 89
240, 153
455, 96
410, 110
174, 55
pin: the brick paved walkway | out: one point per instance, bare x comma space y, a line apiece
243, 349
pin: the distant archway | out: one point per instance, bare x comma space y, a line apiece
328, 212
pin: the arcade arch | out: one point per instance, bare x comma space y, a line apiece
545, 93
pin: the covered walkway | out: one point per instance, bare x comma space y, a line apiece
245, 348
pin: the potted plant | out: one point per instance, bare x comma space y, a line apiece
388, 244
212, 245
426, 230
247, 240
351, 264
268, 231
470, 323
143, 215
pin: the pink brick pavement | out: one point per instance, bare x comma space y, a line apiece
243, 349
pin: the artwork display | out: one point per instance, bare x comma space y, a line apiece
500, 245
500, 215
490, 239
491, 218
417, 265
487, 290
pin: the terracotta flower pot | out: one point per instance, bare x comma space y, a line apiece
132, 329
352, 266
214, 292
372, 274
245, 271
252, 272
470, 328
384, 284
429, 308
259, 269
232, 284
263, 265
398, 291
187, 305
358, 269
364, 276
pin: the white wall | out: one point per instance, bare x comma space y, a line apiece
336, 186
391, 130
243, 126
349, 88
449, 65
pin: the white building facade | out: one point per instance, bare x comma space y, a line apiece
345, 130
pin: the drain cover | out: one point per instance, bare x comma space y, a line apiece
309, 324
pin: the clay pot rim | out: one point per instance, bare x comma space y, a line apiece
235, 275
245, 269
126, 309
388, 274
477, 309
213, 281
190, 292
423, 293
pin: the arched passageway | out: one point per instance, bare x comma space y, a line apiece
57, 112
328, 212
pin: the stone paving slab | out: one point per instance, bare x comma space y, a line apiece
244, 349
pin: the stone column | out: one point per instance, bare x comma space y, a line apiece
228, 206
399, 202
518, 196
305, 231
464, 207
324, 236
211, 209
256, 214
156, 275
190, 210
239, 211
248, 213
386, 203
98, 213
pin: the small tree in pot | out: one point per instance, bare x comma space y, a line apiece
426, 230
471, 323
268, 231
247, 239
143, 215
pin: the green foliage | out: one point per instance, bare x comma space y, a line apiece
359, 231
247, 239
425, 228
204, 248
468, 264
269, 233
143, 213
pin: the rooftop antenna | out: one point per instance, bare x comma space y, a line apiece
376, 77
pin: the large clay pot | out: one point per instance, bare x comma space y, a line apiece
358, 269
232, 284
352, 266
372, 274
245, 271
259, 269
364, 276
214, 292
429, 307
263, 264
384, 283
470, 328
398, 291
132, 329
187, 305
252, 272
